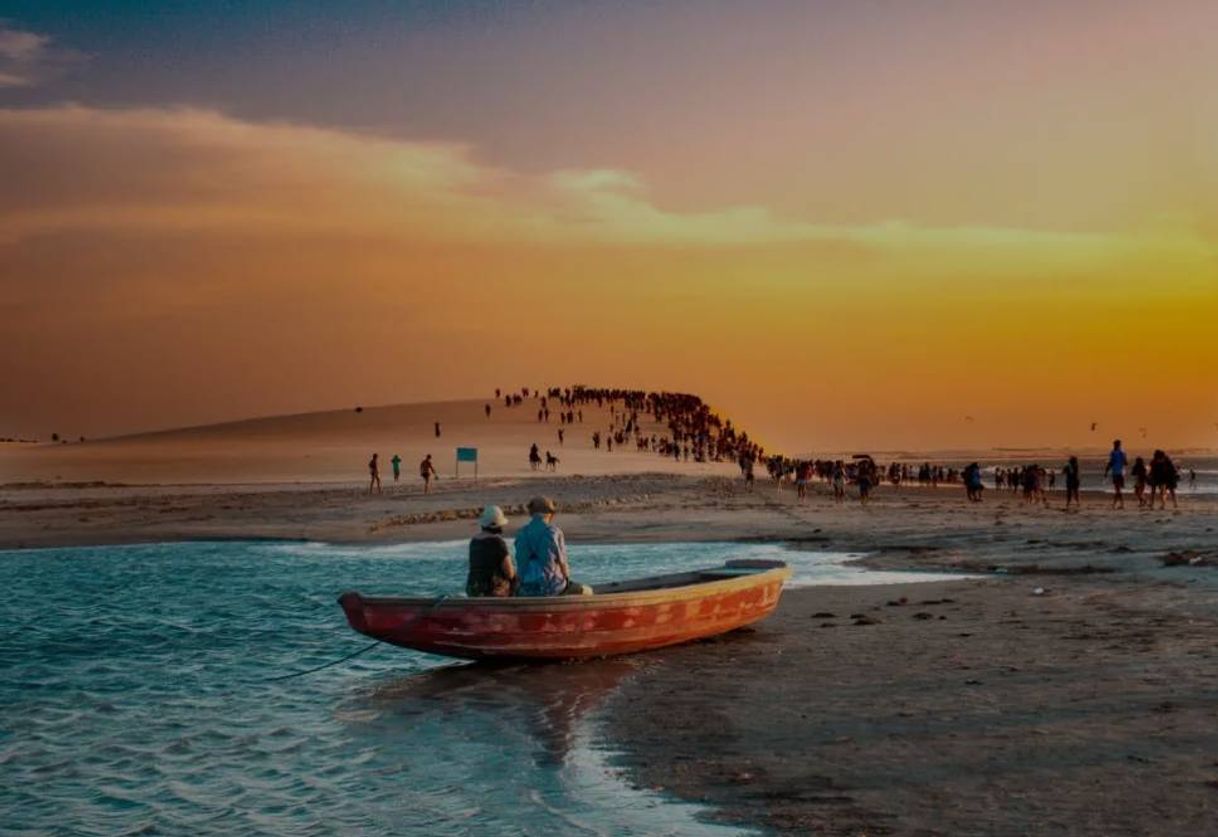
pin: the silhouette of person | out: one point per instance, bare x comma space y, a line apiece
374, 474
428, 472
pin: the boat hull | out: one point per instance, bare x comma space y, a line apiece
572, 627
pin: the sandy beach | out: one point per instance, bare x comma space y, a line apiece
1069, 688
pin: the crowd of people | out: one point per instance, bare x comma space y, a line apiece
692, 431
1156, 480
1160, 475
689, 430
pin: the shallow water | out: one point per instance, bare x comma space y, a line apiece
135, 697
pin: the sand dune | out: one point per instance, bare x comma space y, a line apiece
336, 445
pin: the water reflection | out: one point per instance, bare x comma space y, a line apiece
546, 702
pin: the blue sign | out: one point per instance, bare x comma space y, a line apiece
467, 454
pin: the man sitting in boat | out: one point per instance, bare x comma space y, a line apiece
491, 571
541, 555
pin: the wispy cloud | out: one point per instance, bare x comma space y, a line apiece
28, 58
153, 170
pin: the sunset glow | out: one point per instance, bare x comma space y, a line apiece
846, 224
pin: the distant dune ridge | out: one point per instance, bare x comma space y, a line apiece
336, 445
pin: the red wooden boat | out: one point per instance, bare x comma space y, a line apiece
619, 618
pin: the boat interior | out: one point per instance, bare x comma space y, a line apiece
731, 569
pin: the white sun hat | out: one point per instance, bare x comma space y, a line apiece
492, 516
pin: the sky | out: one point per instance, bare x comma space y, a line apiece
870, 225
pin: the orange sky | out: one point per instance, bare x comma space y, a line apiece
1032, 245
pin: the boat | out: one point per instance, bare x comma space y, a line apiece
620, 617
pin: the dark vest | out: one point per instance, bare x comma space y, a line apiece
486, 557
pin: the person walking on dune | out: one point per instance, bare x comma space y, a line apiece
437, 430
428, 472
374, 474
1116, 465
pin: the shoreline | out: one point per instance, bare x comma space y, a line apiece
641, 507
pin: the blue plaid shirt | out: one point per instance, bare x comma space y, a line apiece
541, 551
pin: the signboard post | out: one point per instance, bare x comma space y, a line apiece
467, 455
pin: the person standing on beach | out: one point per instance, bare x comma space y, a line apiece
1031, 483
1164, 478
865, 479
374, 473
973, 485
1116, 465
839, 481
437, 430
1072, 482
396, 462
428, 472
1140, 474
803, 474
1172, 481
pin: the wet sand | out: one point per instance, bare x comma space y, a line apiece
973, 707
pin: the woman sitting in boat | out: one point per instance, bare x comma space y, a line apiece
541, 555
491, 571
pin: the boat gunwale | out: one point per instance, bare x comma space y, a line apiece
780, 572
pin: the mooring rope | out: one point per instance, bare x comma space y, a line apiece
354, 654
326, 665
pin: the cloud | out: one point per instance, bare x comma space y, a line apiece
180, 170
28, 59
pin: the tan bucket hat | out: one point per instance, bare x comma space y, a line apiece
542, 505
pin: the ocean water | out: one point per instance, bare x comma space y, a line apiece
135, 697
